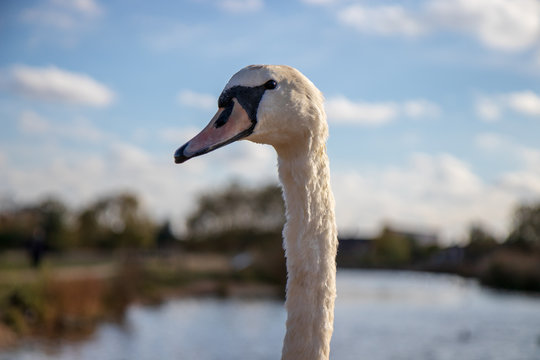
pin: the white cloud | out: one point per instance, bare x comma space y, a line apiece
523, 179
507, 25
500, 24
440, 192
3, 159
342, 110
54, 84
521, 155
197, 100
491, 108
62, 14
536, 60
490, 141
177, 136
251, 161
82, 129
78, 129
32, 123
382, 20
523, 182
88, 7
487, 109
320, 2
525, 102
420, 109
241, 6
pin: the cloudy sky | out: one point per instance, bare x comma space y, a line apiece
433, 105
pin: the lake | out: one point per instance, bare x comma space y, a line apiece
379, 315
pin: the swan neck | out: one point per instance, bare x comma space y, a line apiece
310, 242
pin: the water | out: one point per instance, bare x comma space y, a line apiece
379, 316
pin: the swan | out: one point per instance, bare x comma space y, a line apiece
277, 105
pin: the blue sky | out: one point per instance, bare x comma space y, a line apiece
433, 105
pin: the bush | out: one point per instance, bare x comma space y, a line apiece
512, 270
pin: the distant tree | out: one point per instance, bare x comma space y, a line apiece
164, 235
89, 232
525, 232
391, 248
480, 243
53, 217
115, 221
237, 209
244, 222
16, 226
48, 217
237, 219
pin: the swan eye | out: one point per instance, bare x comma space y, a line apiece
270, 84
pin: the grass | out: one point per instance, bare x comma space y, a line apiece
51, 305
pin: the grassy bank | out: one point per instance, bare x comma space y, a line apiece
69, 295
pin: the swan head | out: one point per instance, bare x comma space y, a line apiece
267, 104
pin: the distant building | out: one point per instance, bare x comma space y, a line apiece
449, 257
358, 251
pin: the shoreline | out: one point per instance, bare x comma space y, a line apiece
67, 298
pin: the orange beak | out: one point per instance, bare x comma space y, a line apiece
230, 123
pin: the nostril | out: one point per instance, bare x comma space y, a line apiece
224, 116
220, 121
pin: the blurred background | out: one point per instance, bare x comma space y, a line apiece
108, 249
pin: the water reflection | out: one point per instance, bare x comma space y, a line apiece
388, 315
379, 315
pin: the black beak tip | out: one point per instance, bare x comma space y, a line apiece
179, 156
178, 160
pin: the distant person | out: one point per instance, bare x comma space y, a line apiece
36, 247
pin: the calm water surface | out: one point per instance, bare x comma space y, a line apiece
379, 316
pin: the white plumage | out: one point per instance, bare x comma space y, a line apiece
289, 115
